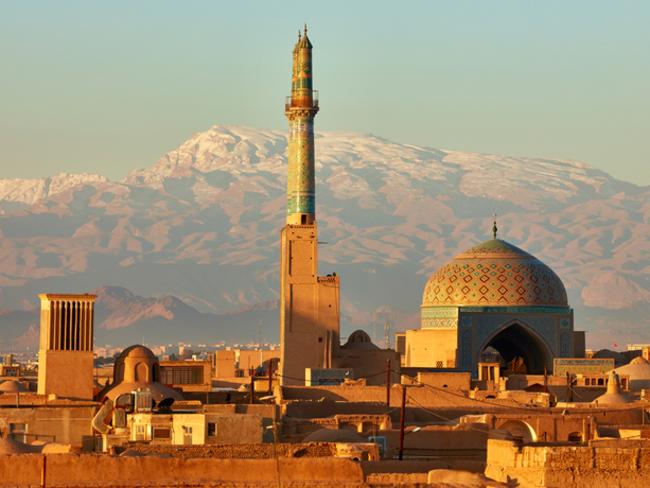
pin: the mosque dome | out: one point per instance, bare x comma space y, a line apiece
495, 273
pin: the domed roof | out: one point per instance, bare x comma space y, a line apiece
495, 273
614, 394
637, 369
137, 367
137, 351
359, 339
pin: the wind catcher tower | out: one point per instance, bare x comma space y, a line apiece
309, 304
65, 357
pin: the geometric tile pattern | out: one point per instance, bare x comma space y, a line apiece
495, 273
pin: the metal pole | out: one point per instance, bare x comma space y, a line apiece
270, 376
43, 471
252, 398
401, 423
388, 383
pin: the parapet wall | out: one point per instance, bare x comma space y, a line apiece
87, 470
427, 396
597, 465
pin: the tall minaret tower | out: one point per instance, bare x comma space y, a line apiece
309, 304
301, 108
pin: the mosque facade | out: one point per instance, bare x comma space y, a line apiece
494, 300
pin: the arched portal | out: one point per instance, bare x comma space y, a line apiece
520, 430
521, 349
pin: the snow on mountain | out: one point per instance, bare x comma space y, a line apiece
29, 191
202, 224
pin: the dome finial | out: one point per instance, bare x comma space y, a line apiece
494, 227
299, 34
305, 29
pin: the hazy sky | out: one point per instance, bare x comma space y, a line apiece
106, 87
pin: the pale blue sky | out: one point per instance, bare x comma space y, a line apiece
110, 86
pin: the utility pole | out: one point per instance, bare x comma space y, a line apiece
270, 376
401, 423
252, 398
388, 383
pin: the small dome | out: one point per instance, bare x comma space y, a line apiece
614, 395
138, 351
639, 360
638, 371
135, 368
136, 364
359, 339
619, 359
495, 273
359, 336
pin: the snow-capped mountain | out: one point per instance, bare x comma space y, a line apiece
29, 191
203, 223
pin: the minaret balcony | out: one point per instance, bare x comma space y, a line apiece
308, 100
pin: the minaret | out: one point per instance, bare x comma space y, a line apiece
309, 304
301, 108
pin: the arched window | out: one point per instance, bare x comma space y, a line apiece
142, 373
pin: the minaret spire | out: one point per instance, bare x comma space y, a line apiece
301, 108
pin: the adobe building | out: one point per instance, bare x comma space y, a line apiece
137, 368
187, 376
494, 299
65, 357
8, 368
309, 304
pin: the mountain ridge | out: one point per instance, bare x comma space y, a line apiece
202, 224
